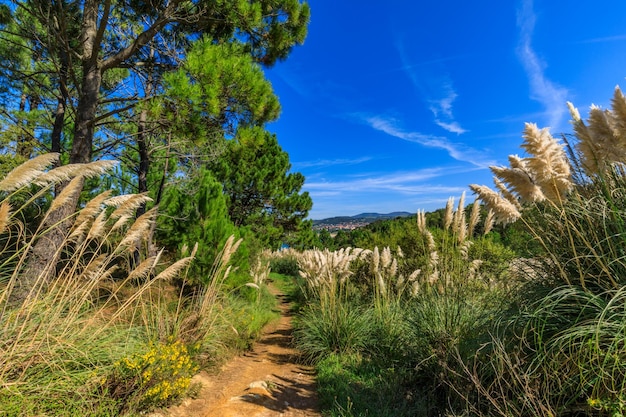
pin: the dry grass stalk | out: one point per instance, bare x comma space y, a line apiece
447, 218
549, 164
74, 187
70, 171
489, 222
474, 217
207, 299
5, 216
28, 172
421, 221
503, 211
138, 230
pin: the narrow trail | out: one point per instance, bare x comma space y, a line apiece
267, 381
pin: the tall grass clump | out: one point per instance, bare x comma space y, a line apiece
563, 352
329, 322
454, 300
95, 333
371, 312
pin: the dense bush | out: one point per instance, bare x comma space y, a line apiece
100, 332
287, 265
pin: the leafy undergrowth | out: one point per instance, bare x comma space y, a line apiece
97, 333
350, 385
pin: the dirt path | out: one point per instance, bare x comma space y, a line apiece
264, 382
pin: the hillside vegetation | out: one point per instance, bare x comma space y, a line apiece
447, 315
120, 281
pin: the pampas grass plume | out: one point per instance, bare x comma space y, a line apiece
125, 211
508, 195
458, 220
28, 172
447, 218
618, 104
5, 216
139, 229
172, 271
519, 180
489, 221
474, 217
67, 172
549, 163
421, 221
504, 211
142, 270
74, 187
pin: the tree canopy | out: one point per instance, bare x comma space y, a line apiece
152, 82
261, 191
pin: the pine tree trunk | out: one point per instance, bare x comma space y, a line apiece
40, 267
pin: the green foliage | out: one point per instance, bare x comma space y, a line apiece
261, 192
584, 238
561, 352
86, 343
5, 14
196, 213
415, 314
569, 332
352, 385
517, 238
339, 328
496, 258
218, 89
287, 265
151, 379
248, 315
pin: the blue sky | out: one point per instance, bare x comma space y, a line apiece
397, 107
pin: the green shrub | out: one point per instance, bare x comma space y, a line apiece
151, 379
353, 385
287, 265
321, 331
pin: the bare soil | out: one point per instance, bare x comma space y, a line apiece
267, 381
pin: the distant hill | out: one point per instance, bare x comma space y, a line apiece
378, 216
352, 222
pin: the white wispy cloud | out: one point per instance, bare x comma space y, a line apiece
457, 151
552, 96
400, 182
437, 91
382, 193
442, 109
453, 127
331, 162
615, 38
